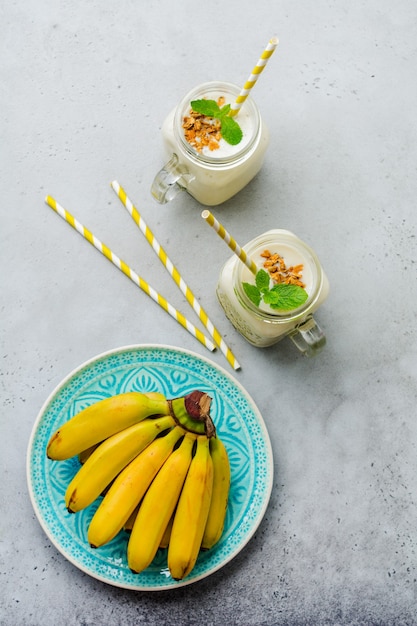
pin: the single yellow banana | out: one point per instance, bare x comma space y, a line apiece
192, 512
219, 498
109, 458
129, 487
158, 505
103, 419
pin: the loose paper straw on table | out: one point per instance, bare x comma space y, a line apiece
174, 273
129, 272
259, 67
227, 237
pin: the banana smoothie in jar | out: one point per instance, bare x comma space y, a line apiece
211, 155
289, 287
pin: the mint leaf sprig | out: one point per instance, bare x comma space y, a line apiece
281, 296
230, 129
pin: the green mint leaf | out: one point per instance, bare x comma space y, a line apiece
231, 131
272, 298
253, 293
225, 109
286, 297
282, 296
262, 280
206, 107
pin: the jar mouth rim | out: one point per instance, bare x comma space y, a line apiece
231, 90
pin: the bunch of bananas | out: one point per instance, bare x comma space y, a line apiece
163, 473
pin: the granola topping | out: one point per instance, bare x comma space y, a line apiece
279, 272
202, 131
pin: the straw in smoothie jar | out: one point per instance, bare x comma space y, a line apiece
257, 70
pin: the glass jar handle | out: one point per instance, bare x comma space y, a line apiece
309, 337
170, 180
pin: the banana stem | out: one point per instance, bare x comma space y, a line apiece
192, 412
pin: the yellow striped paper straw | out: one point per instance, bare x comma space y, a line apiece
175, 275
227, 237
257, 70
123, 267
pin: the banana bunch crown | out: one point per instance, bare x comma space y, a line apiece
192, 412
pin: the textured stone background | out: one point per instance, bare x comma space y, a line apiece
85, 87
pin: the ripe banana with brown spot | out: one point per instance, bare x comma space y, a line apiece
103, 419
129, 487
158, 505
108, 460
220, 495
192, 511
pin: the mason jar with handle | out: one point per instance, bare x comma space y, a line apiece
211, 176
261, 324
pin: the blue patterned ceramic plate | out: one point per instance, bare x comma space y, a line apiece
175, 373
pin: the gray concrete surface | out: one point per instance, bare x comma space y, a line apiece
84, 90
